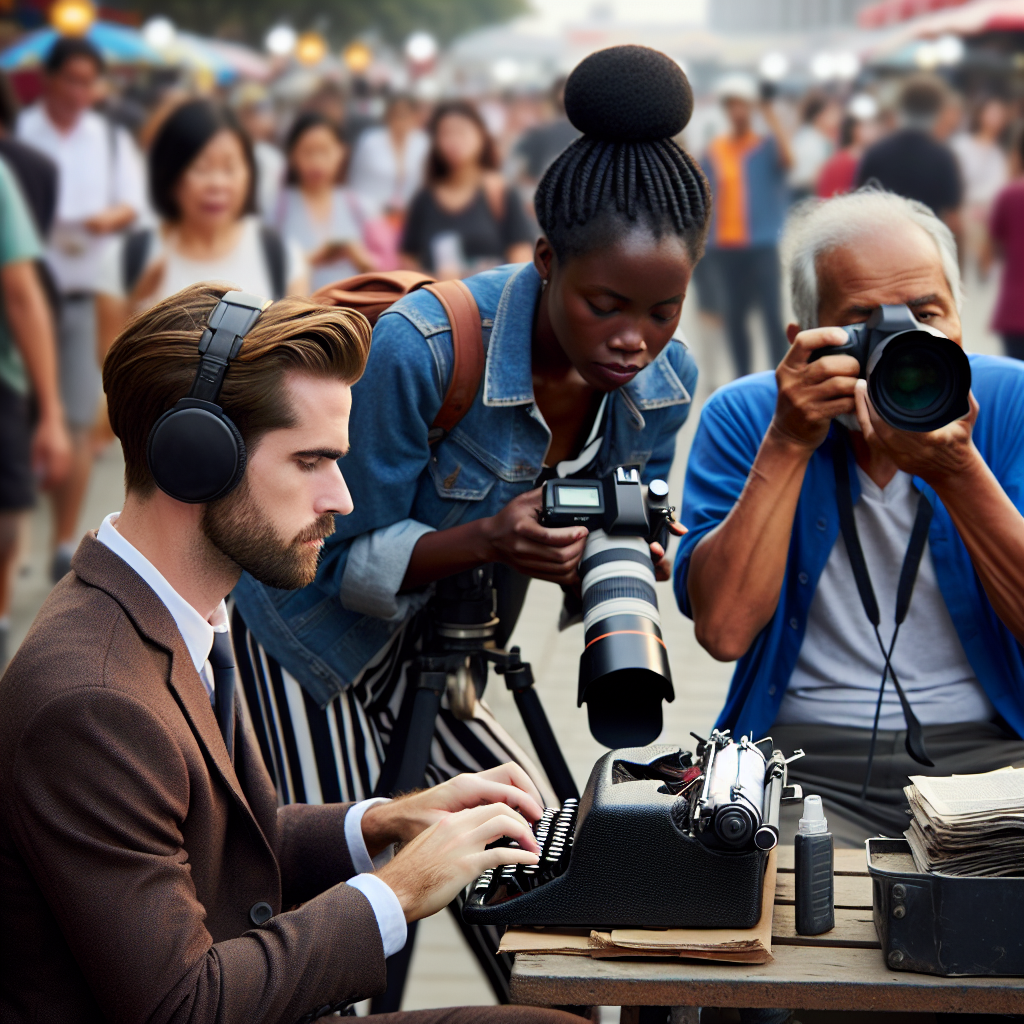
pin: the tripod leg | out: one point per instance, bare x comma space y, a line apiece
405, 765
544, 742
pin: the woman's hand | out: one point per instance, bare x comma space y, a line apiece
514, 536
662, 563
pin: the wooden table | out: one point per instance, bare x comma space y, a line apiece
840, 970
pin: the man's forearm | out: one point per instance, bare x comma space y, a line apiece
736, 571
32, 328
993, 532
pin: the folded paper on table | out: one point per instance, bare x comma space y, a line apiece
735, 945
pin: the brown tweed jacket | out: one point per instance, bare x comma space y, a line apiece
132, 852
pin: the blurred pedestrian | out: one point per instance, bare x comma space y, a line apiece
813, 143
35, 172
983, 167
1006, 230
857, 131
465, 219
537, 147
34, 444
747, 173
202, 183
387, 163
255, 111
911, 162
315, 209
99, 194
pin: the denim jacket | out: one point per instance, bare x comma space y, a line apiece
402, 488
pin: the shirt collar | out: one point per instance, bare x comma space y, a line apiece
508, 371
195, 630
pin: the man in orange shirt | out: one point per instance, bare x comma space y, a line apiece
747, 173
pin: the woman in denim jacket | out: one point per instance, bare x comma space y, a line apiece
583, 372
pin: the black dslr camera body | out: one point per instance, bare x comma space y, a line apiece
624, 670
918, 379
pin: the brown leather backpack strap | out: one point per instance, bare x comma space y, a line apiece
467, 354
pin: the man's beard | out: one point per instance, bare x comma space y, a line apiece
239, 528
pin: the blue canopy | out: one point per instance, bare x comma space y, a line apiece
118, 44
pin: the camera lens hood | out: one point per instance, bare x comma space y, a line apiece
919, 381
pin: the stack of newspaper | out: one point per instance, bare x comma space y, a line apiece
968, 824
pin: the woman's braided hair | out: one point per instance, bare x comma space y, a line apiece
629, 102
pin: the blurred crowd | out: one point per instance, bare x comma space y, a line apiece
100, 218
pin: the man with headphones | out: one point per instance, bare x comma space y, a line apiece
147, 871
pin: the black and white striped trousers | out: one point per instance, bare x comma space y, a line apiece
336, 753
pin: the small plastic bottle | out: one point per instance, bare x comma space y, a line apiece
815, 888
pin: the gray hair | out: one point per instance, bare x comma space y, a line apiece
817, 227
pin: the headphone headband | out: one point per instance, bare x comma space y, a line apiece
195, 452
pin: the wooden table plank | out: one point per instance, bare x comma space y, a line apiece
846, 862
853, 892
800, 978
854, 929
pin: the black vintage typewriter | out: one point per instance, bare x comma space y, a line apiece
658, 840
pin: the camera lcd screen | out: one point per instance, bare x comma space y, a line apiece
579, 497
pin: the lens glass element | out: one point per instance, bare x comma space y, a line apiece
914, 378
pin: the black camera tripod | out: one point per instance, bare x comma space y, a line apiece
459, 644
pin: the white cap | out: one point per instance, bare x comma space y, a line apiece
736, 86
813, 822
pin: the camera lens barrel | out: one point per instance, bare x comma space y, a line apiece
624, 670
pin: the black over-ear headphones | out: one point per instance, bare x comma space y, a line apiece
195, 452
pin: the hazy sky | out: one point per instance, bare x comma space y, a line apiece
552, 14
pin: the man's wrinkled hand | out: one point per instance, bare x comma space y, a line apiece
812, 394
427, 874
402, 820
936, 456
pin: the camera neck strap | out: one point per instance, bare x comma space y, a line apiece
904, 590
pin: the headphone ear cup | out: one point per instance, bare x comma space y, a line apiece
196, 454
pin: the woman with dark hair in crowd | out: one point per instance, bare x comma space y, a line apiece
1006, 242
583, 372
315, 209
465, 218
202, 179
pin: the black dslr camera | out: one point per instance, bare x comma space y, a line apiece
917, 378
624, 671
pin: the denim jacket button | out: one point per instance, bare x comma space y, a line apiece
821, 523
803, 577
771, 690
793, 623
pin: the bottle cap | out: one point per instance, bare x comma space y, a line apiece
813, 821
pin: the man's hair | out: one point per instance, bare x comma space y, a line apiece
819, 226
68, 48
180, 139
153, 362
921, 99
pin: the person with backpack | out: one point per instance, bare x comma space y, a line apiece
202, 183
315, 210
465, 218
474, 393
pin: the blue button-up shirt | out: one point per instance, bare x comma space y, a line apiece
402, 488
732, 425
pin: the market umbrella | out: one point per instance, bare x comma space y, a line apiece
118, 44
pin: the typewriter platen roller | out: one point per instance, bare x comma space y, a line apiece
641, 849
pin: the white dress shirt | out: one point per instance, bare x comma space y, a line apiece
383, 178
98, 167
197, 633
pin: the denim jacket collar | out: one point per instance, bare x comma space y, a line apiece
508, 372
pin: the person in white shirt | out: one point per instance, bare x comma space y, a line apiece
389, 162
179, 805
99, 194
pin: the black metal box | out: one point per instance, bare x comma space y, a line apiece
944, 924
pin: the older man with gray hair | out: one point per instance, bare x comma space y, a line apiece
765, 571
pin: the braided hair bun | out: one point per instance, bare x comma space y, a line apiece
628, 94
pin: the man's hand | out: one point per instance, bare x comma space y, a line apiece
938, 456
516, 538
402, 820
51, 451
428, 873
811, 395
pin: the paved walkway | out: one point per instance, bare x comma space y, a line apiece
443, 971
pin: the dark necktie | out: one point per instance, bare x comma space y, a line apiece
222, 661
